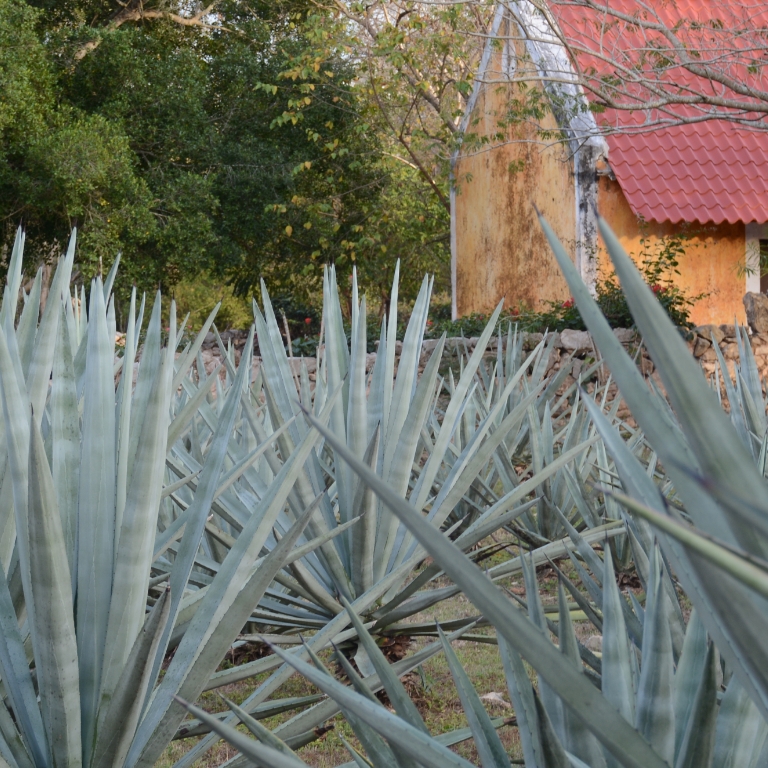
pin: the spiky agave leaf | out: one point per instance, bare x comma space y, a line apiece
463, 454
81, 506
729, 506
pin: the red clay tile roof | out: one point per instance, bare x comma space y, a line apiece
706, 172
712, 171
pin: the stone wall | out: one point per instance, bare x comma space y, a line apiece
724, 336
577, 344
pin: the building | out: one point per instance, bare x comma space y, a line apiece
707, 180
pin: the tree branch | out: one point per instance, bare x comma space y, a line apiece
134, 12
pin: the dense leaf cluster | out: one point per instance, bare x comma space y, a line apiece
184, 147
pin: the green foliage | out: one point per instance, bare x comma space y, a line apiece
661, 693
199, 296
100, 562
188, 148
658, 266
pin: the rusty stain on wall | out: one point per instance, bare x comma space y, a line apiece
500, 249
712, 264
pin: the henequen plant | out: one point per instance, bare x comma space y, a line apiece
673, 697
83, 464
664, 709
476, 434
715, 478
453, 447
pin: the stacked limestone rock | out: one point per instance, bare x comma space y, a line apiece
574, 348
724, 336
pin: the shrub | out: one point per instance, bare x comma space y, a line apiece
658, 267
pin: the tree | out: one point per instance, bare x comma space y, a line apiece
158, 130
257, 139
674, 62
652, 64
416, 63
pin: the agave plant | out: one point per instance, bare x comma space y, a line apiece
446, 446
745, 395
718, 559
390, 739
83, 466
713, 470
475, 489
659, 700
675, 701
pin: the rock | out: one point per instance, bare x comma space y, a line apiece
756, 306
576, 368
595, 643
729, 332
460, 344
553, 363
532, 339
210, 359
495, 699
708, 331
398, 346
731, 351
295, 363
575, 341
700, 346
428, 346
210, 339
625, 335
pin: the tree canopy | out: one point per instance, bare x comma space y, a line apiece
183, 142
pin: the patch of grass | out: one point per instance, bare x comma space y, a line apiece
431, 686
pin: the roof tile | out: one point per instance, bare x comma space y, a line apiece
711, 171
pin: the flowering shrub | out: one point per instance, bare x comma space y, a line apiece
658, 268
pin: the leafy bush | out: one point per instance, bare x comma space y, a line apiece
658, 267
200, 295
90, 537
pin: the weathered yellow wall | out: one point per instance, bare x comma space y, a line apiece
500, 249
713, 261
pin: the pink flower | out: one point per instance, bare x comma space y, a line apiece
568, 304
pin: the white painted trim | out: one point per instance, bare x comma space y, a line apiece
454, 308
753, 234
585, 197
551, 57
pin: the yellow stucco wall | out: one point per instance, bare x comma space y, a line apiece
499, 248
713, 261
